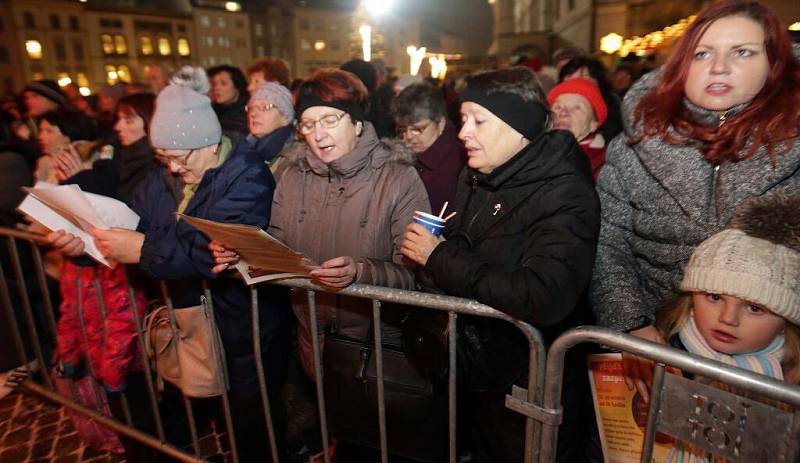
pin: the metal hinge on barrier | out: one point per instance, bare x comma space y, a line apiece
518, 401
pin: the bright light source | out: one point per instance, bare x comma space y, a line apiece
438, 66
64, 80
611, 43
319, 45
233, 6
416, 55
34, 49
378, 7
366, 41
85, 91
113, 75
795, 26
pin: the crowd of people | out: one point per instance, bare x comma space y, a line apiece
670, 214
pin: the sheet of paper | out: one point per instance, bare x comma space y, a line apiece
68, 208
253, 275
262, 252
621, 414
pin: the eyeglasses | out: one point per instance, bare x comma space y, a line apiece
180, 161
328, 121
412, 130
259, 107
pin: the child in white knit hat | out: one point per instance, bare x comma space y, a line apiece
741, 292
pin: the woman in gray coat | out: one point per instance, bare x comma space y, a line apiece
716, 125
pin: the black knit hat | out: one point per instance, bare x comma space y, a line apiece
48, 89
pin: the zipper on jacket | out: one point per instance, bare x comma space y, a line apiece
723, 118
714, 176
472, 195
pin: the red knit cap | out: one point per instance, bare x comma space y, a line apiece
585, 88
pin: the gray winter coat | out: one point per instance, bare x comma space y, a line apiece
358, 206
659, 201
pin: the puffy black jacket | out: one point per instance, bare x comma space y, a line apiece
525, 235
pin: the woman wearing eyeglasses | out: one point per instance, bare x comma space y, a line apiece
203, 176
420, 115
269, 118
344, 198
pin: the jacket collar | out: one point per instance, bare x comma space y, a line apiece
272, 143
438, 152
351, 163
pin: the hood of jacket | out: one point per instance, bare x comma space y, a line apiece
271, 144
369, 151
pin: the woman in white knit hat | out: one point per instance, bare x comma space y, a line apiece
203, 176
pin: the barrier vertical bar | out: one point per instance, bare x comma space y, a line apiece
793, 450
12, 319
221, 363
148, 374
452, 338
378, 337
28, 311
187, 405
652, 413
42, 277
262, 380
319, 374
536, 364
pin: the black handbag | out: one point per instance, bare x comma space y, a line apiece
415, 412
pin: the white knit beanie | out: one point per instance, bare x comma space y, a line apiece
276, 94
183, 117
757, 259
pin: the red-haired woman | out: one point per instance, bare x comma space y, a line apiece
716, 125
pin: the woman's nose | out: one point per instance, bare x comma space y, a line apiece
719, 64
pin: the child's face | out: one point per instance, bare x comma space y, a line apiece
734, 326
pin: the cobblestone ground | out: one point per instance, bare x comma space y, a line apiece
36, 431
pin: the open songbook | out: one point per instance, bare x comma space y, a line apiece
68, 208
262, 257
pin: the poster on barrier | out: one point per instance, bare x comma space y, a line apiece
621, 413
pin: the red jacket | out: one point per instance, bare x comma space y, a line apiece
110, 339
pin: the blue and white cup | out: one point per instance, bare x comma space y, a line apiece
430, 222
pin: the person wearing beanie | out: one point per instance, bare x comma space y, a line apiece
377, 108
42, 96
201, 175
270, 117
523, 186
740, 301
579, 107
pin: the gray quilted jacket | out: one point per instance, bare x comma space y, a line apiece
659, 201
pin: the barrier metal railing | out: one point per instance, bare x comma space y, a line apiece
530, 397
734, 427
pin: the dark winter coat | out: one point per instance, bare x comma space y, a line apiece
233, 118
269, 146
440, 165
660, 200
524, 238
239, 191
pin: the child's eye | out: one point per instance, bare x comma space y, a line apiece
754, 309
713, 297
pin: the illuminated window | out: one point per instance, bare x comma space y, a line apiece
183, 47
124, 74
82, 80
319, 45
305, 44
34, 49
107, 43
111, 74
64, 79
164, 48
120, 45
146, 45
37, 75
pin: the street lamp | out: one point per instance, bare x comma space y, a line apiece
378, 7
611, 43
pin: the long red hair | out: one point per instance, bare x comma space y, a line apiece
769, 120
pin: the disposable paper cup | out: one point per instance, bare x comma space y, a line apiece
433, 224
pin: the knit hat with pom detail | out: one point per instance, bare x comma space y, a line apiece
183, 118
757, 259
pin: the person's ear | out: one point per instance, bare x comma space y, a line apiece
440, 125
359, 128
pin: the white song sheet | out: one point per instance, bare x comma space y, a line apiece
68, 208
262, 256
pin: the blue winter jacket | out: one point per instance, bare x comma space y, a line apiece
239, 191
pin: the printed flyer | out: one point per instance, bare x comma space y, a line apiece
621, 413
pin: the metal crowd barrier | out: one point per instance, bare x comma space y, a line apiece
531, 397
738, 428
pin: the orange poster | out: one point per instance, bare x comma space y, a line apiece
621, 413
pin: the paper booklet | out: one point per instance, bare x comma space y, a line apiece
262, 257
68, 208
621, 413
